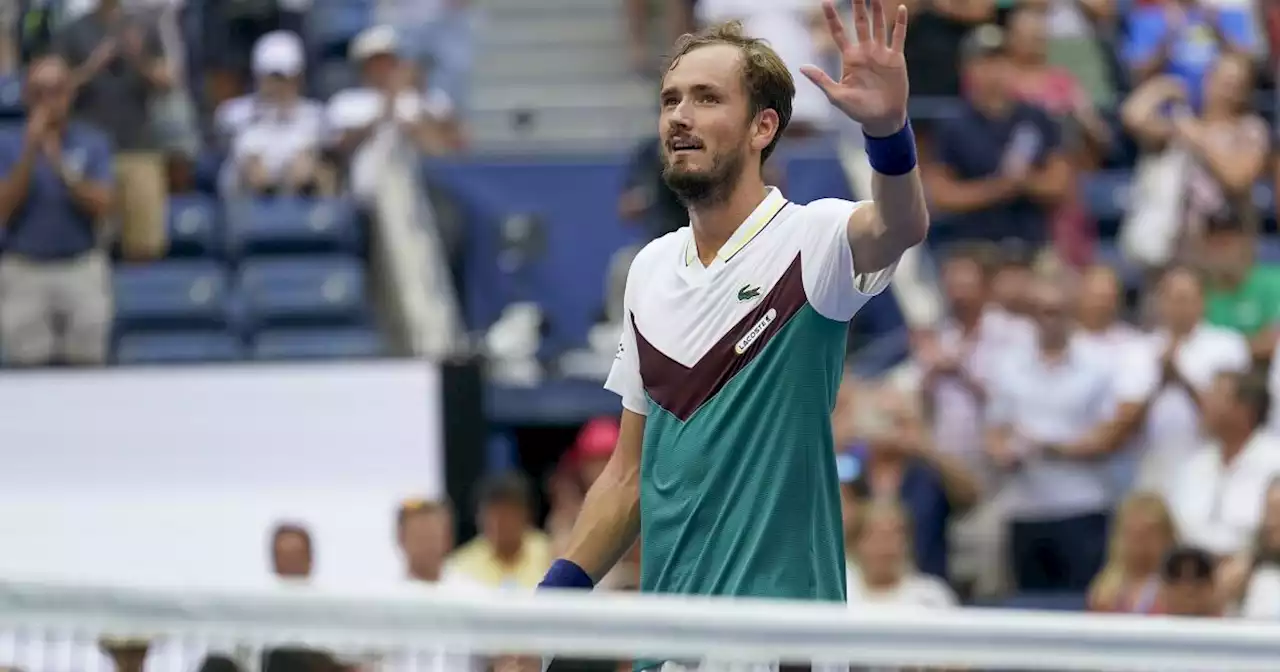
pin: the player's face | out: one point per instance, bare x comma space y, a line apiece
705, 124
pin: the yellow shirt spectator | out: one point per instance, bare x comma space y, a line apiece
478, 560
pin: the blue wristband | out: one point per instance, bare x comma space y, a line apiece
567, 574
893, 154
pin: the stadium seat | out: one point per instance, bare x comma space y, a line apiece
1268, 250
175, 294
332, 25
1039, 602
193, 226
1106, 194
326, 290
347, 343
10, 97
292, 225
178, 347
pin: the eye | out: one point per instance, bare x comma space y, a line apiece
708, 99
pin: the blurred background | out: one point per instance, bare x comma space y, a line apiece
322, 292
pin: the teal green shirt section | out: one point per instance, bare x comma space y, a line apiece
743, 498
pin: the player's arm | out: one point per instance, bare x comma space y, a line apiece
898, 217
610, 519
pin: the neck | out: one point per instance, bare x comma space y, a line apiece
714, 224
507, 553
1217, 111
429, 573
1053, 348
108, 7
1095, 324
992, 106
1233, 444
881, 582
1181, 330
968, 318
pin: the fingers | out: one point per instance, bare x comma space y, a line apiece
861, 25
835, 26
877, 20
821, 79
899, 36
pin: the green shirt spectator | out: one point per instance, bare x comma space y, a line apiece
1249, 307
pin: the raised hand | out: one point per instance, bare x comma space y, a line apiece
872, 88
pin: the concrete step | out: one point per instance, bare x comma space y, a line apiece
563, 129
567, 62
570, 96
503, 7
547, 29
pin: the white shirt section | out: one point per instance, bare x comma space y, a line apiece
1273, 386
835, 287
683, 308
915, 590
358, 108
624, 376
1262, 596
1053, 403
1172, 430
277, 138
1218, 506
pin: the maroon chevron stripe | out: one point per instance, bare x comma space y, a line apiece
680, 389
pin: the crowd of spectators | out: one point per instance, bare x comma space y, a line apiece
124, 100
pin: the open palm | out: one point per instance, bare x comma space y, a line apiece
872, 88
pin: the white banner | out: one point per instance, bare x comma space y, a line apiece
178, 474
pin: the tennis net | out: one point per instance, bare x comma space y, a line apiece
59, 627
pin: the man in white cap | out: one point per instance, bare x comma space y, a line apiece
274, 134
388, 111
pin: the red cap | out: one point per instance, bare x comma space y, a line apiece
596, 440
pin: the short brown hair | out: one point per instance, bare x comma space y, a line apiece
765, 76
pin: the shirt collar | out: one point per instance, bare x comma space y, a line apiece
764, 213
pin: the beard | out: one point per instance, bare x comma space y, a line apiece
705, 187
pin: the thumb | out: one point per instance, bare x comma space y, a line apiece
821, 79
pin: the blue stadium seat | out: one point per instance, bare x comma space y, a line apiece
333, 76
1106, 194
208, 170
176, 294
193, 226
178, 347
10, 97
292, 225
347, 343
332, 25
326, 290
1039, 602
1268, 251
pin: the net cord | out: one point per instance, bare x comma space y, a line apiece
643, 626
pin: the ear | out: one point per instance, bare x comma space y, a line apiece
763, 129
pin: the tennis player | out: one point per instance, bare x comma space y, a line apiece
736, 327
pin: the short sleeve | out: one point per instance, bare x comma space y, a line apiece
999, 410
832, 282
1138, 377
1050, 134
1235, 352
947, 149
11, 149
1146, 30
624, 376
99, 167
349, 110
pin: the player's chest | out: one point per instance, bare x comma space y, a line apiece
689, 312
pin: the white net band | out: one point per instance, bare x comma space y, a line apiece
396, 619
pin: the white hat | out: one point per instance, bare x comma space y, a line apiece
373, 42
279, 53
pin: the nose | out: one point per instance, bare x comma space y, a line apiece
679, 118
